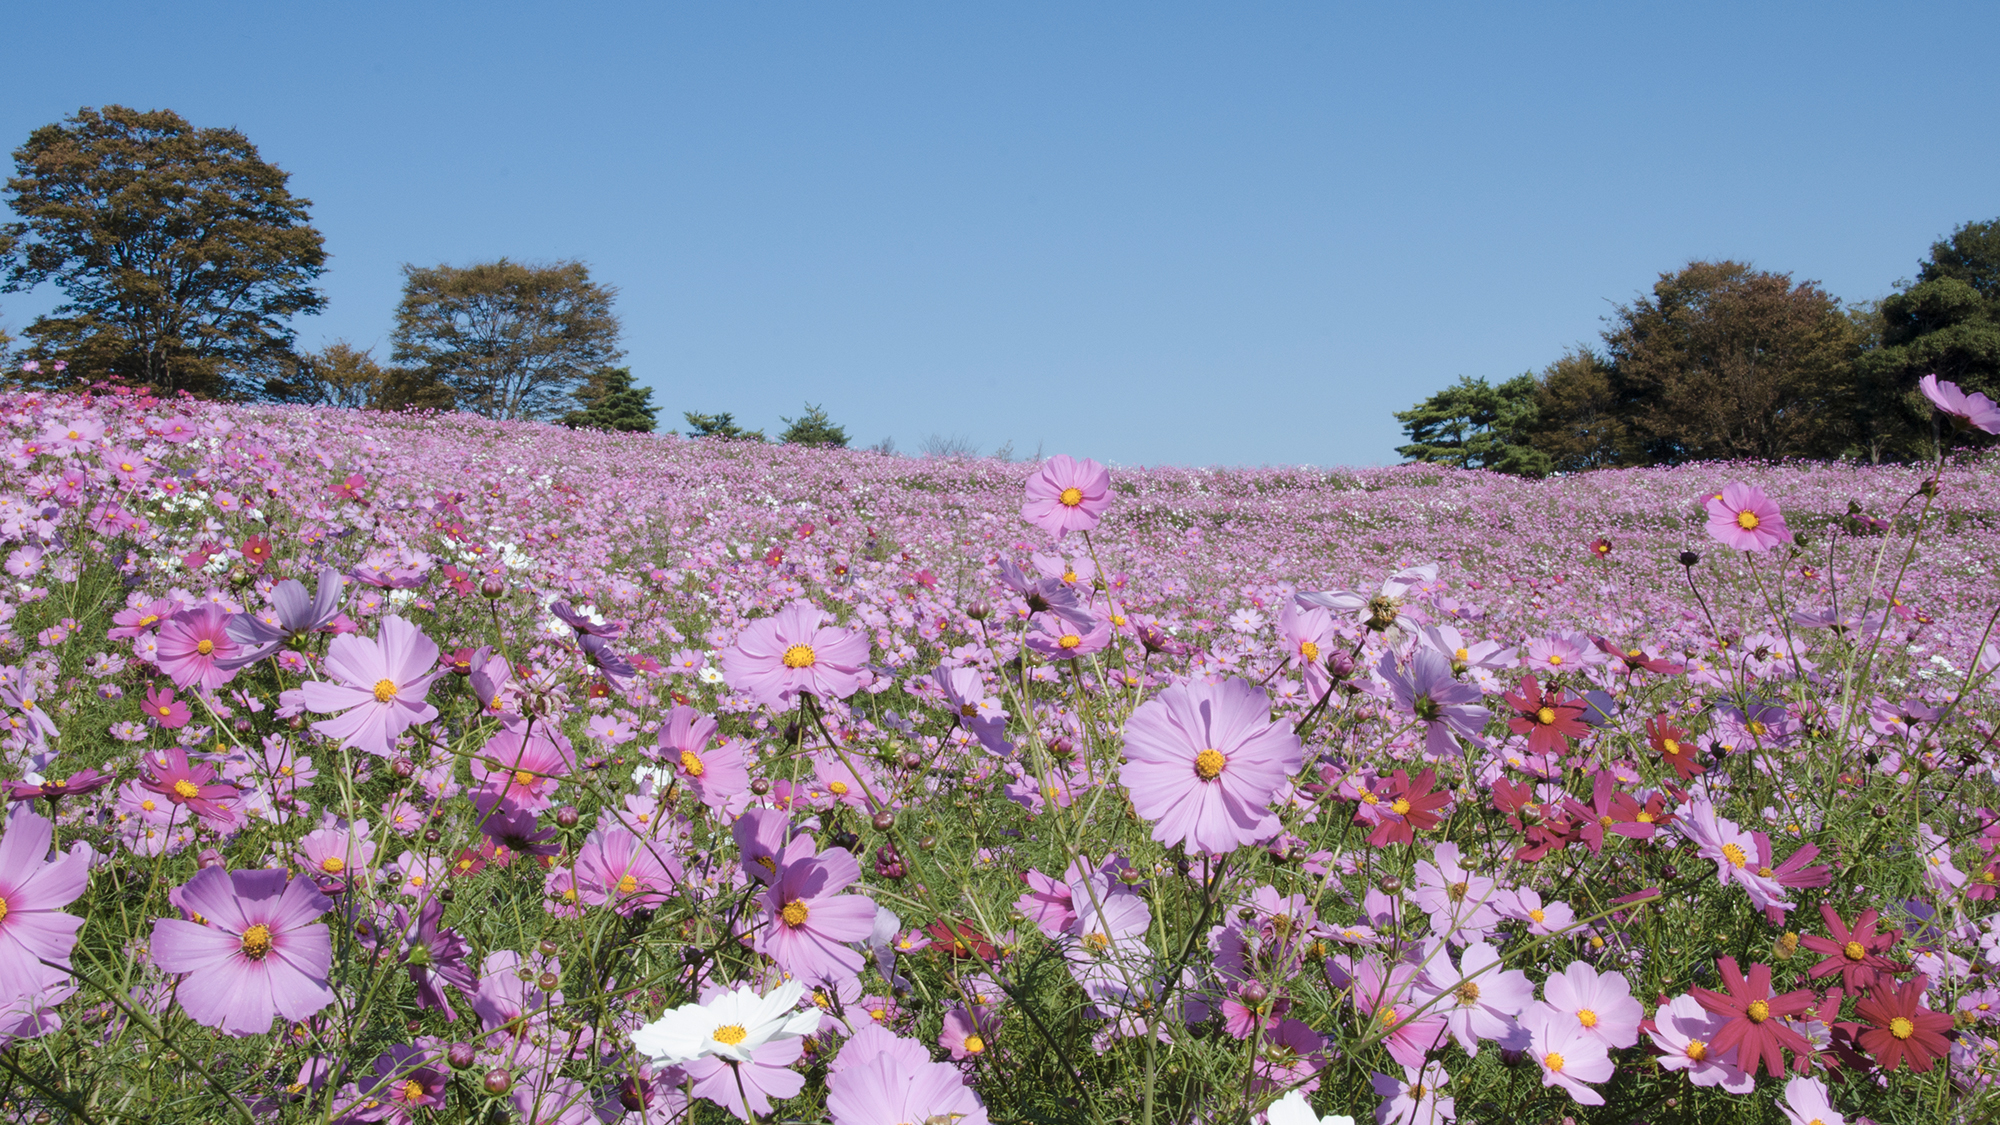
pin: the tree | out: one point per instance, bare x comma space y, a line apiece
1946, 323
180, 251
1578, 425
610, 400
813, 428
510, 341
1475, 425
1725, 361
721, 425
339, 375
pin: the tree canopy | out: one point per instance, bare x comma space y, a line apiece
180, 252
721, 425
1475, 425
510, 341
813, 428
611, 400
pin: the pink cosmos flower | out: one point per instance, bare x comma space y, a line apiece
1742, 518
170, 774
1463, 907
796, 650
1065, 495
1203, 761
33, 891
1060, 639
1481, 999
1417, 1098
1601, 1005
715, 772
881, 1079
162, 708
379, 686
1683, 1031
807, 919
1809, 1102
258, 953
1972, 410
521, 768
614, 866
1568, 1055
192, 646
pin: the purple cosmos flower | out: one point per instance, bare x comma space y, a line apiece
1442, 704
75, 785
405, 1079
259, 953
170, 774
193, 646
379, 686
1481, 1000
1203, 761
881, 1079
292, 615
767, 1075
432, 954
1065, 495
1742, 518
1569, 1055
1682, 1031
33, 890
631, 874
1059, 639
807, 919
1599, 1004
797, 650
1973, 411
585, 625
715, 773
521, 768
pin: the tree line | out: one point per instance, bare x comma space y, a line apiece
182, 256
1725, 361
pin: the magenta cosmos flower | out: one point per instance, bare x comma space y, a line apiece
1202, 761
257, 953
378, 686
1743, 518
33, 891
797, 650
1974, 410
193, 646
1065, 495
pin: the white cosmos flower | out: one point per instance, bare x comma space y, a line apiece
729, 1026
1293, 1109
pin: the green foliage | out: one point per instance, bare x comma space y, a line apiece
1475, 425
721, 425
181, 253
1947, 323
813, 428
611, 400
508, 340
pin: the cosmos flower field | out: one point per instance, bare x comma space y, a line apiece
429, 769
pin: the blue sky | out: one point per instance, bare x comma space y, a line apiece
1148, 233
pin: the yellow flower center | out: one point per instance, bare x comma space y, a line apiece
1586, 1017
1604, 822
147, 620
1401, 807
1735, 855
205, 646
416, 880
1697, 1050
1070, 640
1309, 650
257, 942
1747, 520
1902, 1028
523, 777
1546, 716
691, 764
799, 656
1758, 728
1390, 1016
1467, 992
1208, 764
1670, 746
186, 790
1554, 1062
627, 884
3, 909
333, 865
1556, 658
1644, 817
1071, 497
794, 913
1537, 914
385, 690
878, 1014
837, 788
412, 1090
1457, 891
1853, 951
1368, 798
148, 804
1096, 943
1461, 655
1758, 1011
730, 1033
973, 1043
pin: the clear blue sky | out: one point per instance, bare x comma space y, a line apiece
1148, 233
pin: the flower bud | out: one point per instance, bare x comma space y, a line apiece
1253, 992
884, 821
209, 857
912, 760
497, 1082
547, 948
433, 836
493, 587
548, 982
403, 768
460, 1055
761, 786
1689, 558
567, 816
979, 611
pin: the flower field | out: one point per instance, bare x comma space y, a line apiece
369, 767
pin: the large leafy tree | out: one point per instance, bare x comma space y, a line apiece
612, 400
1725, 361
1473, 424
509, 340
180, 252
813, 428
1947, 323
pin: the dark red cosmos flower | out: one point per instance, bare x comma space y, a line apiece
961, 941
1547, 828
1672, 745
1637, 821
1601, 547
1855, 952
1750, 1008
257, 550
75, 785
1794, 872
1904, 1028
1549, 718
1408, 804
1638, 660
